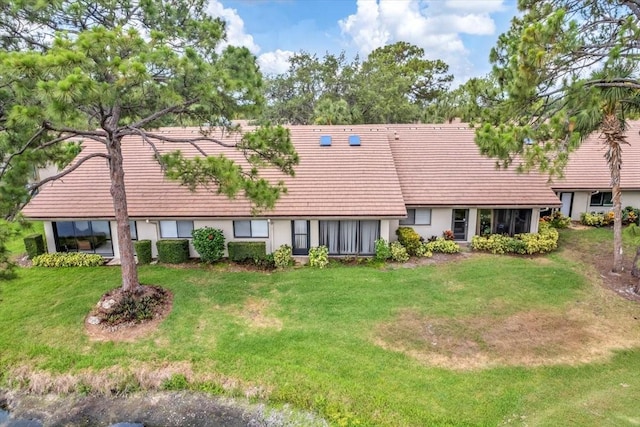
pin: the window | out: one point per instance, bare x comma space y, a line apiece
83, 236
134, 230
176, 229
251, 228
602, 198
349, 237
418, 216
511, 221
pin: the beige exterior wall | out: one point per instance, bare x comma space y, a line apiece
581, 203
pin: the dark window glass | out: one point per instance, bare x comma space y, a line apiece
84, 236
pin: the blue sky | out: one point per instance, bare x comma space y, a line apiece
460, 32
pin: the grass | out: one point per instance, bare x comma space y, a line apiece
355, 344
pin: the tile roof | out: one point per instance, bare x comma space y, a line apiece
588, 170
440, 165
335, 181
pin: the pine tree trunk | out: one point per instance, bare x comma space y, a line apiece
130, 281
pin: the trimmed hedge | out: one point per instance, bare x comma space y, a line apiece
143, 250
247, 251
174, 251
34, 245
68, 259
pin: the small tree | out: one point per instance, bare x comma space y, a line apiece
105, 70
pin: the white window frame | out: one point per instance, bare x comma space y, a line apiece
255, 227
172, 225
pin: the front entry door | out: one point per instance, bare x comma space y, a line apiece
300, 237
459, 226
567, 203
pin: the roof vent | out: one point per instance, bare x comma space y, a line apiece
325, 141
354, 140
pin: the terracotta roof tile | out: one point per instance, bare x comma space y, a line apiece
334, 181
587, 168
440, 165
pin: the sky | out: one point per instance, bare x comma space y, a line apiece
459, 32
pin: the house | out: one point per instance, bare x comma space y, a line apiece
354, 185
586, 185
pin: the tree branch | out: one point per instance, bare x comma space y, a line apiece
34, 187
158, 114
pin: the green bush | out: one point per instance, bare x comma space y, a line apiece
383, 252
557, 220
34, 245
209, 243
283, 256
442, 245
174, 251
596, 219
410, 239
247, 251
319, 257
631, 215
68, 259
398, 252
545, 240
143, 251
423, 251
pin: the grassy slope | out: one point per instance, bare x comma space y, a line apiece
322, 354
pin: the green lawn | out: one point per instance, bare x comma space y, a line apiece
486, 340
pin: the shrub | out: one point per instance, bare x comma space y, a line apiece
410, 239
209, 242
398, 252
319, 257
423, 251
34, 245
443, 246
383, 252
68, 259
174, 251
546, 240
283, 256
448, 235
247, 251
592, 219
557, 220
631, 215
143, 251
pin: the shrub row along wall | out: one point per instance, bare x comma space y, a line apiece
546, 240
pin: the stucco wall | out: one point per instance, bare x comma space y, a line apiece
581, 200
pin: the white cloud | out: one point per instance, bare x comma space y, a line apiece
436, 26
276, 62
482, 6
236, 35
